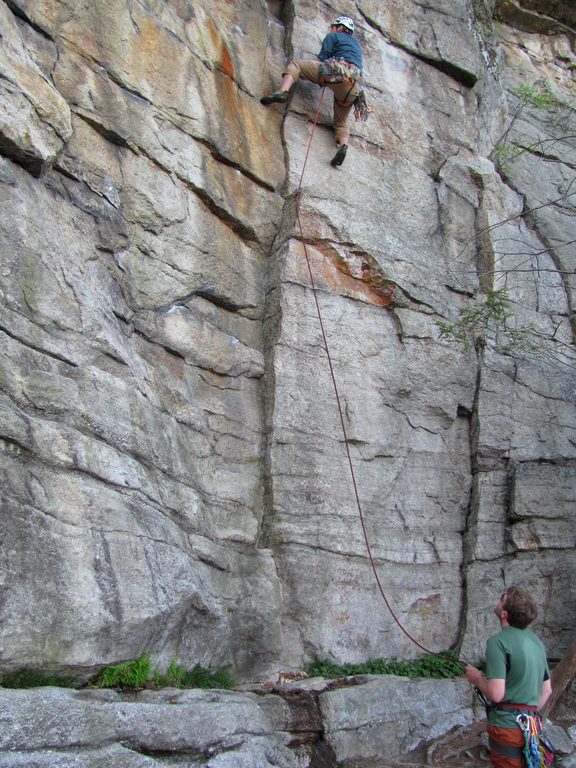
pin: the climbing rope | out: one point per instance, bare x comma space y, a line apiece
338, 401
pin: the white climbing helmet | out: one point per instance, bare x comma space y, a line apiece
344, 21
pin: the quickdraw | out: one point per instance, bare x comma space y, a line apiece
537, 752
362, 110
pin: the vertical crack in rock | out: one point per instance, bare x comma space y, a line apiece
272, 329
564, 272
272, 319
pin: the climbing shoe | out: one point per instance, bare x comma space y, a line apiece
338, 158
278, 96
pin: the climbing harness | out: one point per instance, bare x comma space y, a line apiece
537, 751
338, 401
334, 71
338, 70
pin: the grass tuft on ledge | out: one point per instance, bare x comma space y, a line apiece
129, 675
139, 673
442, 665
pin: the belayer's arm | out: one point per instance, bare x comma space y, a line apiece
492, 688
545, 693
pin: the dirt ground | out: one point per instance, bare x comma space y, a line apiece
455, 750
461, 749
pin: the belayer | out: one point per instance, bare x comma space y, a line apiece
339, 67
516, 684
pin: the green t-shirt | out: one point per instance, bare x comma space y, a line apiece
518, 657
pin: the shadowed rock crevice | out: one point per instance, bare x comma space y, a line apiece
27, 160
430, 58
18, 11
538, 16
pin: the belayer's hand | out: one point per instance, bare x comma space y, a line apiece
473, 674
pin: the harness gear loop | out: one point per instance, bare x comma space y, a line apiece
532, 727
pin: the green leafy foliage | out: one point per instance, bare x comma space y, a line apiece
505, 154
198, 677
139, 673
129, 674
34, 678
476, 320
539, 95
443, 665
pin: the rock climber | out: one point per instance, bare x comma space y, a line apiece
339, 67
516, 680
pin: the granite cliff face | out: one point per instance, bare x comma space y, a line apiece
174, 474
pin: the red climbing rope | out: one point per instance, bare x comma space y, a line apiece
338, 403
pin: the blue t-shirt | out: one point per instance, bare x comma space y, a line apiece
341, 45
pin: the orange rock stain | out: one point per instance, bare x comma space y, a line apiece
224, 61
242, 130
347, 274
